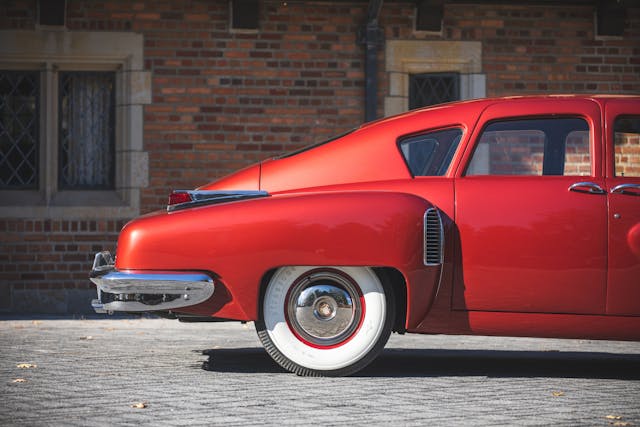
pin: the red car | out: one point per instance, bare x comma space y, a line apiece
513, 216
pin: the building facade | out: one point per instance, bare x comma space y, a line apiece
105, 106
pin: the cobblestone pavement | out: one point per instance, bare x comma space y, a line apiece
91, 372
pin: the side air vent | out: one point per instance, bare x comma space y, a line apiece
433, 237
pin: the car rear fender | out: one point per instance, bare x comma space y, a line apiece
241, 241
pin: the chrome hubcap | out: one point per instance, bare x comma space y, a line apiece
324, 308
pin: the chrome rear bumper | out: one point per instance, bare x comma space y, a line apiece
128, 291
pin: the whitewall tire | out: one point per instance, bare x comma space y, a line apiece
325, 321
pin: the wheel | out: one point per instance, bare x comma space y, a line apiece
325, 321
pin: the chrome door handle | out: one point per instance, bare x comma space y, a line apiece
624, 189
587, 187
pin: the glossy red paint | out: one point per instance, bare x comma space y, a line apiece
623, 279
524, 256
556, 257
346, 228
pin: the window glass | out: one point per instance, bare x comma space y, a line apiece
577, 160
546, 146
626, 131
19, 140
87, 131
429, 154
433, 88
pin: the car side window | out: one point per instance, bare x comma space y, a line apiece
541, 146
626, 139
430, 154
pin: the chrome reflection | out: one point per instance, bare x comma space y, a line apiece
324, 308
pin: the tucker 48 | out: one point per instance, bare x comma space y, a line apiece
512, 216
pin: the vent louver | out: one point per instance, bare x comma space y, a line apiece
433, 237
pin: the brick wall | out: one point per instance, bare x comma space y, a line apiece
223, 99
44, 263
537, 49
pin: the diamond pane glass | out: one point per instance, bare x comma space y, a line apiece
87, 131
19, 141
433, 88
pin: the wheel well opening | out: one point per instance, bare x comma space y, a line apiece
399, 287
266, 278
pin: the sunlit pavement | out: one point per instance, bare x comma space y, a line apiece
162, 372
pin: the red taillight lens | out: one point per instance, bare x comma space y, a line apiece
178, 197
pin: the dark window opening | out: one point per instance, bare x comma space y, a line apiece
51, 12
86, 130
244, 14
433, 88
610, 17
19, 130
429, 15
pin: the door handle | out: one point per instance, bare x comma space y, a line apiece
627, 189
587, 187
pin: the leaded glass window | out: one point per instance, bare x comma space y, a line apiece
87, 130
433, 88
19, 139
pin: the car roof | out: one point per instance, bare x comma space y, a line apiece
482, 103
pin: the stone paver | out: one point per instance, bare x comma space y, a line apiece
90, 372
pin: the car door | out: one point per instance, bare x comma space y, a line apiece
531, 210
623, 184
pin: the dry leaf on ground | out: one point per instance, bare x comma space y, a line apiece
26, 365
88, 337
557, 393
139, 405
613, 417
19, 380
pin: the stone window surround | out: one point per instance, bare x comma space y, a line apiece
53, 50
405, 57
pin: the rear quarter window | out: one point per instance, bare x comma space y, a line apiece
430, 153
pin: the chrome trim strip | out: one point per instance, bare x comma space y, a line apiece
122, 282
208, 197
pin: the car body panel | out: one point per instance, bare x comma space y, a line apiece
542, 250
623, 280
523, 255
384, 229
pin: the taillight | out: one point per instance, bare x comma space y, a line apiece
177, 197
183, 199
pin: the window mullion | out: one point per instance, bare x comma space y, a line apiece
48, 133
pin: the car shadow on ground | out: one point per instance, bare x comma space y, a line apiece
436, 363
